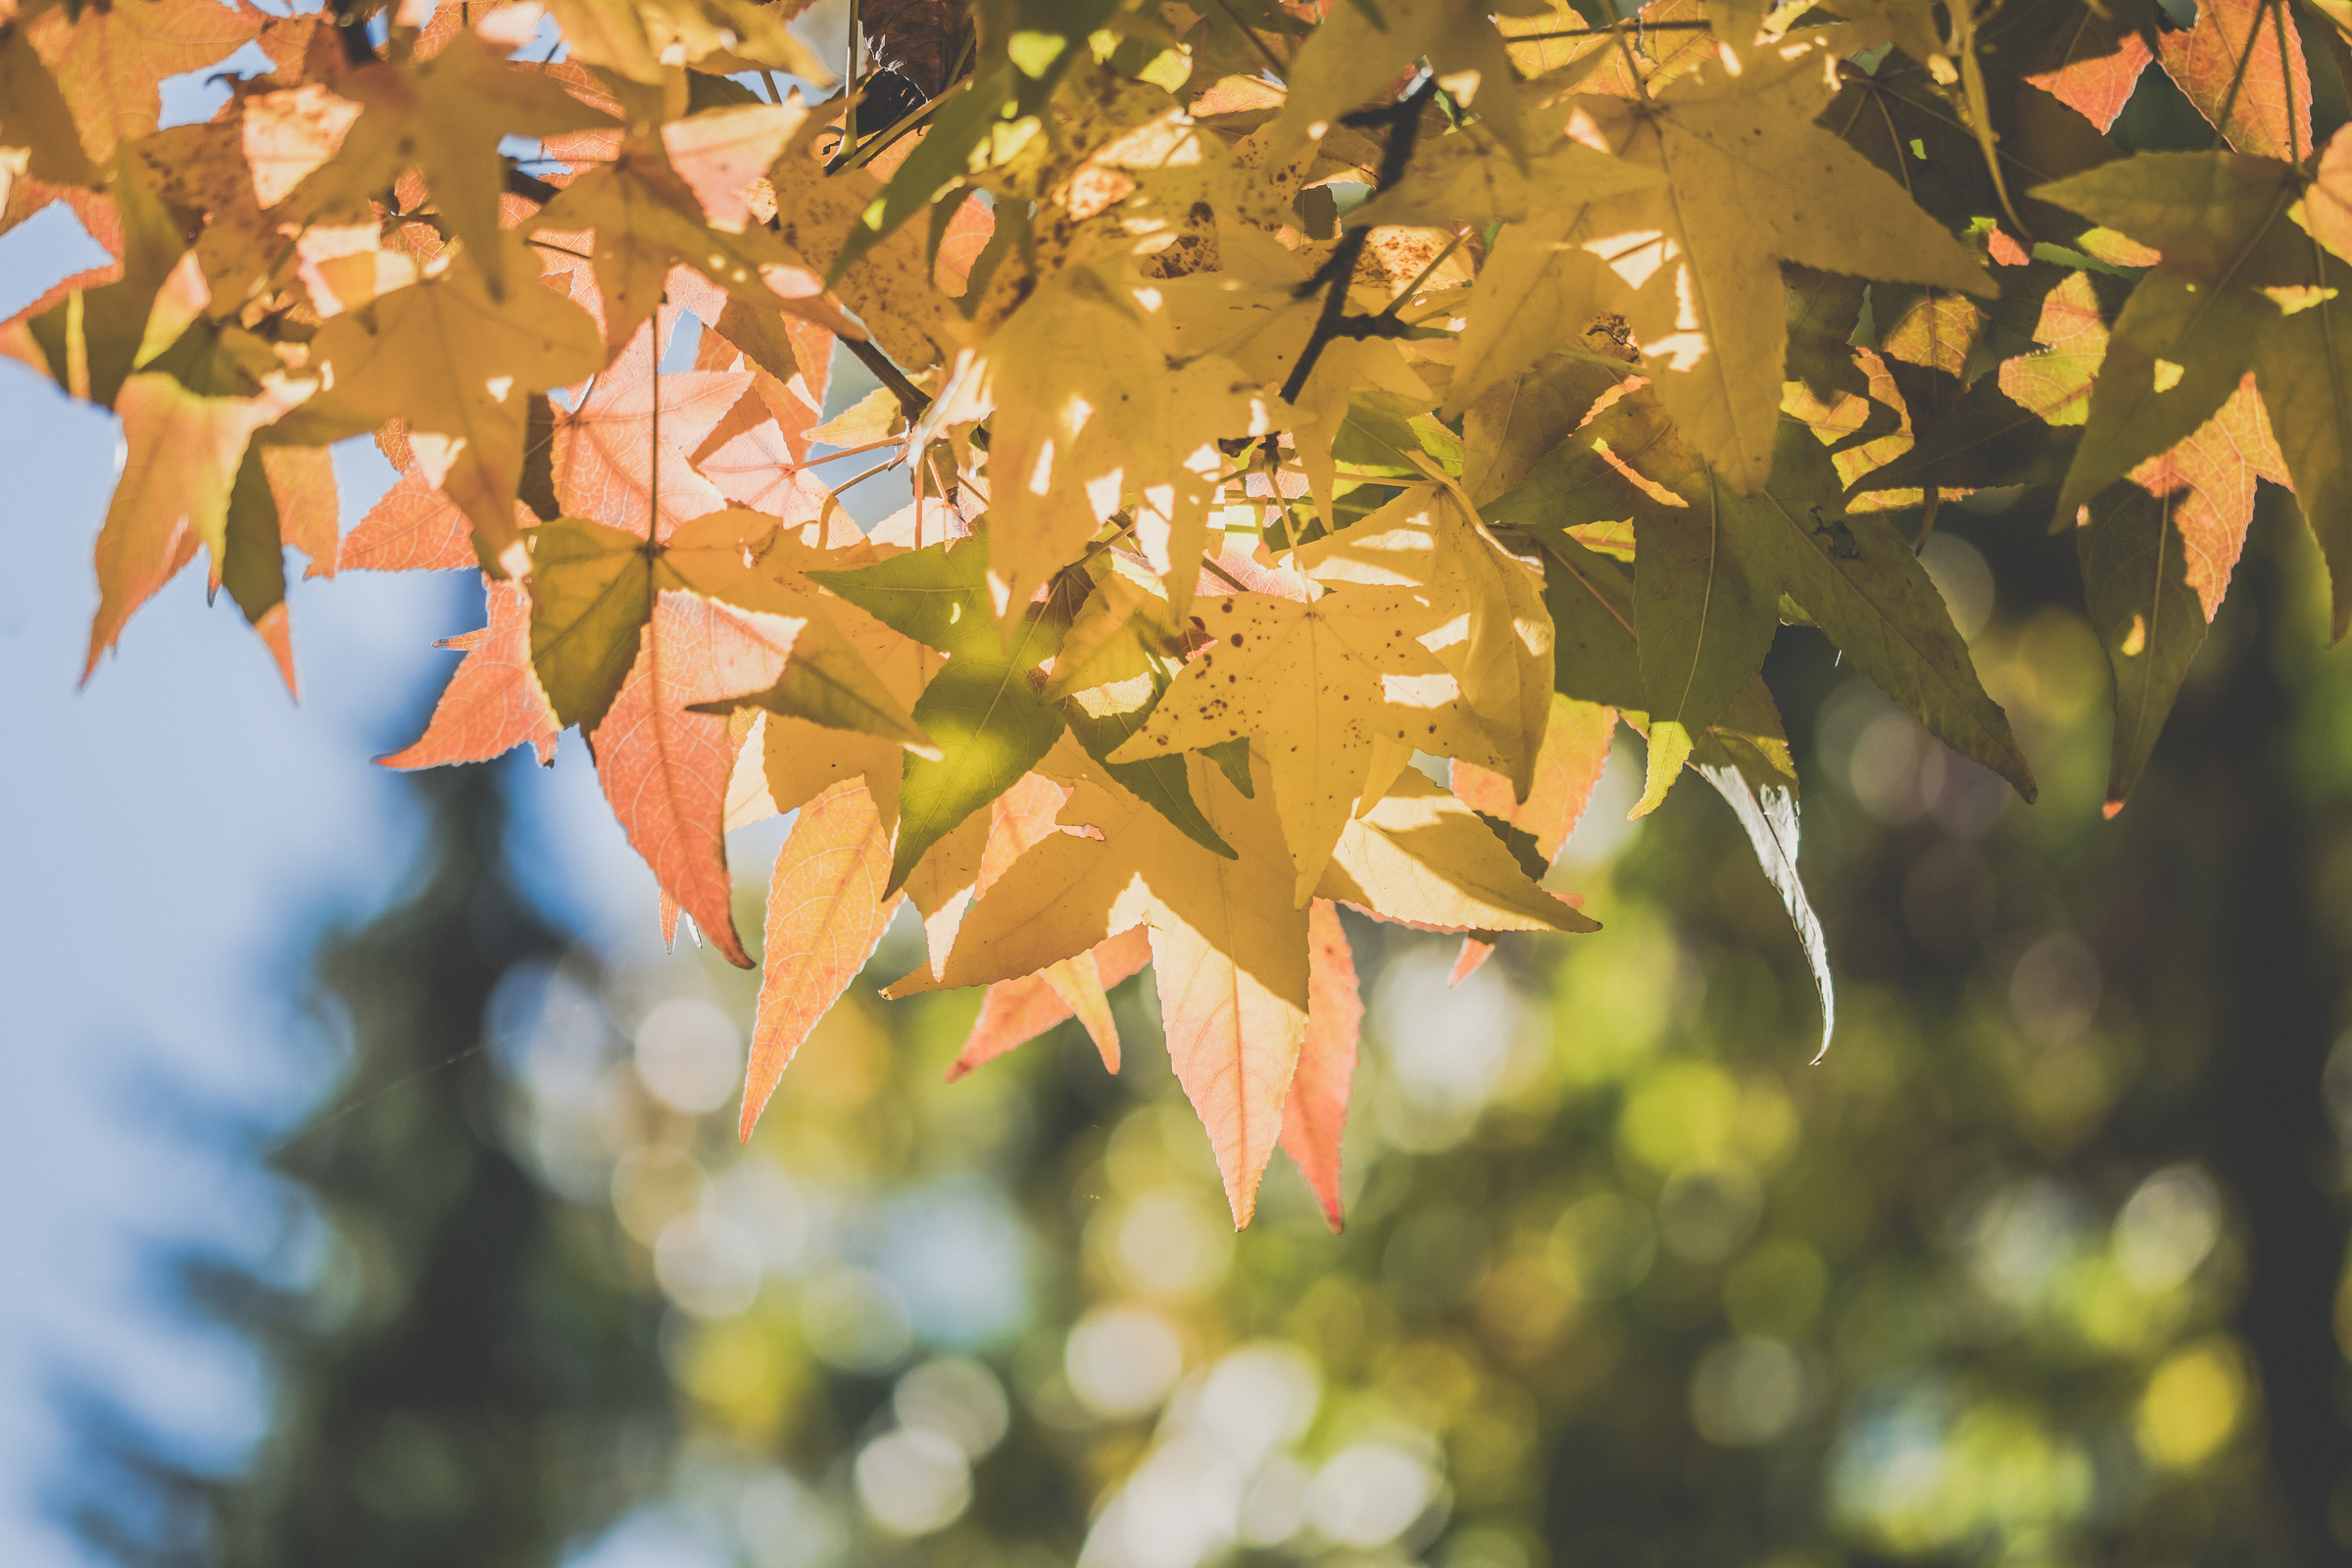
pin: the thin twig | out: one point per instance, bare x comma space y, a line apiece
849, 86
910, 398
1101, 545
1980, 107
653, 490
2294, 132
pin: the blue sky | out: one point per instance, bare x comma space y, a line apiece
175, 835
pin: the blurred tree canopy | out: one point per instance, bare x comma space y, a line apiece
470, 1374
2042, 1266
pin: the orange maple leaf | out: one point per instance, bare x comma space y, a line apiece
1316, 1113
2268, 102
492, 703
664, 768
825, 914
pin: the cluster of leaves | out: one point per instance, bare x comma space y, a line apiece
1633, 338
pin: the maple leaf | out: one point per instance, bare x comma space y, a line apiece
2097, 66
186, 425
110, 61
2228, 66
446, 115
1509, 429
1769, 816
1323, 685
1014, 1012
1576, 747
801, 757
664, 767
1751, 184
592, 591
1420, 857
1359, 50
983, 714
2015, 426
1496, 635
288, 135
2157, 552
680, 199
1315, 1115
987, 847
826, 912
1229, 949
605, 451
610, 34
493, 701
302, 487
2240, 288
1712, 564
884, 275
1471, 178
457, 365
836, 681
35, 117
1074, 431
90, 339
414, 526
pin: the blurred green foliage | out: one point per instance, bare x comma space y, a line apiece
1626, 1280
2039, 1266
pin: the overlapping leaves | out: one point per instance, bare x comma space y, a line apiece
1237, 520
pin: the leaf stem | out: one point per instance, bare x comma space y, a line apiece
1265, 50
878, 467
1614, 28
1980, 107
883, 140
653, 489
1222, 575
852, 452
2237, 79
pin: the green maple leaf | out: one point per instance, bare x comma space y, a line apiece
1711, 566
982, 711
592, 592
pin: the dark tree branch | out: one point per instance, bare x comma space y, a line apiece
910, 396
1403, 121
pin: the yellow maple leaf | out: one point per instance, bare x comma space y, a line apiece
1752, 182
181, 451
457, 363
1229, 950
1494, 633
1081, 417
1337, 692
